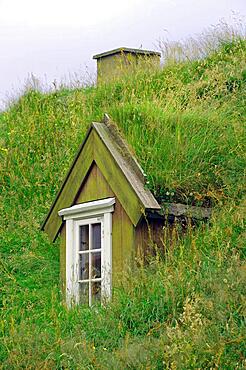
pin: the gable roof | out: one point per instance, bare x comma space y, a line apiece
104, 146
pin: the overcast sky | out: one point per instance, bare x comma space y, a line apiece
57, 38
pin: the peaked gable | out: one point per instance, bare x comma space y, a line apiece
104, 146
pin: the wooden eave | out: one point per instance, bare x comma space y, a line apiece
104, 146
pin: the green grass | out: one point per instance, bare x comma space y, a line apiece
186, 125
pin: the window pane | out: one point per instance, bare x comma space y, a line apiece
84, 266
96, 236
95, 265
84, 293
95, 291
84, 238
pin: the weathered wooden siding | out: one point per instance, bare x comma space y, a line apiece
151, 235
96, 187
117, 180
109, 67
118, 172
159, 235
113, 66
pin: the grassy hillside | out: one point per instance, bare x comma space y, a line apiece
186, 125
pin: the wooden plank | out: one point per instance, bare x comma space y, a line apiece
141, 240
123, 242
103, 187
119, 149
128, 240
88, 191
119, 168
116, 242
179, 209
125, 160
117, 181
95, 187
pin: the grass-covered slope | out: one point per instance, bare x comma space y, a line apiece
186, 125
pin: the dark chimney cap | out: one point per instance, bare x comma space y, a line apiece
126, 50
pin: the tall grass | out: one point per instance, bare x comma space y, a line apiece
208, 42
186, 125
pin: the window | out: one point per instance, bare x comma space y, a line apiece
88, 251
89, 259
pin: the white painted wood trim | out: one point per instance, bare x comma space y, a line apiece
70, 268
107, 257
74, 218
88, 221
94, 208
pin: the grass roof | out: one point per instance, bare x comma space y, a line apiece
185, 124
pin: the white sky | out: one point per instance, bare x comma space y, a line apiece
57, 38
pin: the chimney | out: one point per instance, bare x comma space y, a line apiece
115, 63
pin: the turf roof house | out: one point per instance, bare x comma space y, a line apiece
104, 215
99, 214
103, 212
99, 209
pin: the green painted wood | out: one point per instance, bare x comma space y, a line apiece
117, 261
88, 191
122, 173
96, 187
115, 63
103, 188
128, 240
123, 239
125, 160
117, 181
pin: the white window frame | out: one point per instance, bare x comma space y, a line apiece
99, 211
